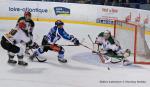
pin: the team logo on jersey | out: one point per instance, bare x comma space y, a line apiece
62, 11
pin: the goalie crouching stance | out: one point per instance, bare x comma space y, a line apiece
109, 46
49, 41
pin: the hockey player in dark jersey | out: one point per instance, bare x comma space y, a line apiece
49, 41
29, 26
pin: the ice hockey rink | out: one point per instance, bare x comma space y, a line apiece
83, 69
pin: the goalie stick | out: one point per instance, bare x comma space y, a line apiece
90, 39
99, 54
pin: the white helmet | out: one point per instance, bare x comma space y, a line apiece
107, 32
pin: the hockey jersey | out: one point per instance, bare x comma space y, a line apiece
29, 25
57, 33
110, 39
16, 36
30, 22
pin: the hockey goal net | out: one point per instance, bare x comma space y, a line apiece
132, 36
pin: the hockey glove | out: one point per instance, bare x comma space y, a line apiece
76, 41
29, 43
34, 46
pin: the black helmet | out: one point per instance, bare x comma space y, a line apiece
59, 22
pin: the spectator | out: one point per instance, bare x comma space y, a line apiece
148, 1
115, 3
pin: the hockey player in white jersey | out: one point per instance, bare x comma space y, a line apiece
29, 27
49, 41
15, 42
110, 46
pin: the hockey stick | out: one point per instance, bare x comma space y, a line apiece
92, 42
68, 44
60, 45
38, 58
90, 39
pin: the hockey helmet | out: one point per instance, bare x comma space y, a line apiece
107, 34
27, 13
59, 22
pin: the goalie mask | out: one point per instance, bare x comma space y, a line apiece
107, 34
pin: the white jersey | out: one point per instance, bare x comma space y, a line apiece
102, 41
18, 36
106, 45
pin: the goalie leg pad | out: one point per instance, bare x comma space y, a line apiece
127, 53
126, 62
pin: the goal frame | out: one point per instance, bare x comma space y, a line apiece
135, 39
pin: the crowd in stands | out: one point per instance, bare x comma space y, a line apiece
142, 4
102, 1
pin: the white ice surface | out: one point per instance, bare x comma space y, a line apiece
82, 70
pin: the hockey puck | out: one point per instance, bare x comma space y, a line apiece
108, 68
